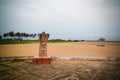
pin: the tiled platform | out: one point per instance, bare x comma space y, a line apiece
61, 70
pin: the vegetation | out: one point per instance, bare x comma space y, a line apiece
17, 36
17, 60
0, 37
57, 40
31, 41
76, 40
102, 39
16, 42
49, 41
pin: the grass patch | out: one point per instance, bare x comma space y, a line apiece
57, 40
31, 41
2, 42
16, 42
18, 60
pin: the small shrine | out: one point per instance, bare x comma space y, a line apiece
42, 57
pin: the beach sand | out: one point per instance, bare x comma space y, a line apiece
63, 49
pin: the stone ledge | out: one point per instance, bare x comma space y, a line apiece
16, 57
93, 58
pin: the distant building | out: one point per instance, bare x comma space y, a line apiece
102, 39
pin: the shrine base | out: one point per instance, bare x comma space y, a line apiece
41, 60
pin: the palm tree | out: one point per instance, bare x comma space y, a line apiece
22, 34
34, 35
0, 37
18, 34
5, 35
26, 35
11, 34
31, 35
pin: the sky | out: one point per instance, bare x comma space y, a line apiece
62, 19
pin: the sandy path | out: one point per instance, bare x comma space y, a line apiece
63, 49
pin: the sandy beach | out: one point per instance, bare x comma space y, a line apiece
63, 49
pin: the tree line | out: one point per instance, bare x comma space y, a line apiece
18, 35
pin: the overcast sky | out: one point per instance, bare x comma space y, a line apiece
63, 19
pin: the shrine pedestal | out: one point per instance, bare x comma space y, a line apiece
42, 60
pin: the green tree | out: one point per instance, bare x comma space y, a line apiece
5, 35
26, 35
18, 34
33, 35
0, 37
11, 34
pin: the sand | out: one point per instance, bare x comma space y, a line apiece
63, 49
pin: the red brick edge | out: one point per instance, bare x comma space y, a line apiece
41, 60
